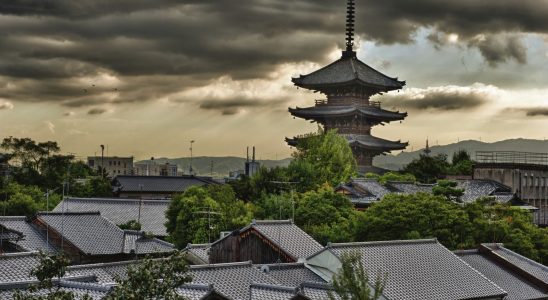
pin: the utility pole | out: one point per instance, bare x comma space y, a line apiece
103, 161
190, 166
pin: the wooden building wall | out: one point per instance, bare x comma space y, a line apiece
249, 245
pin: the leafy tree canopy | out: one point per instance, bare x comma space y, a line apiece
448, 189
392, 176
201, 213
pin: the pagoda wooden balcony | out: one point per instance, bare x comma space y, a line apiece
321, 102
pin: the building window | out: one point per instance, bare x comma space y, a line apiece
91, 163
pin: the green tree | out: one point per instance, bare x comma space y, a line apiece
130, 225
201, 213
352, 281
153, 279
448, 189
21, 200
325, 215
322, 158
428, 169
461, 163
416, 216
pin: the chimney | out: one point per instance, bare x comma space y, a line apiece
247, 153
253, 153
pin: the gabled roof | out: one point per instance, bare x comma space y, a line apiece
199, 292
288, 236
198, 253
326, 111
105, 273
32, 239
420, 269
233, 279
290, 274
477, 188
120, 211
530, 266
159, 184
93, 234
517, 286
348, 71
88, 231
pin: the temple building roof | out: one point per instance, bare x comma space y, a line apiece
372, 112
374, 143
348, 70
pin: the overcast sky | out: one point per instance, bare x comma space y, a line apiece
146, 77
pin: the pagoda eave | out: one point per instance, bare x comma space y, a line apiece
352, 84
318, 114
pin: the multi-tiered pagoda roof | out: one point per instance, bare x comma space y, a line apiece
348, 84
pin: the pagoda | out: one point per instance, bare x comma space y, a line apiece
348, 84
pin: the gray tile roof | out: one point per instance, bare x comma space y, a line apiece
346, 71
164, 184
104, 272
475, 189
317, 291
291, 274
530, 266
88, 231
137, 242
201, 251
79, 289
288, 236
371, 186
120, 211
232, 280
195, 291
410, 187
17, 266
272, 292
420, 269
32, 240
516, 286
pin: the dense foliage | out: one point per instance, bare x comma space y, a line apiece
201, 213
428, 169
456, 226
36, 170
392, 176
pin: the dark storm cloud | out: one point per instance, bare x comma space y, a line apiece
529, 111
231, 106
157, 48
443, 99
97, 111
498, 49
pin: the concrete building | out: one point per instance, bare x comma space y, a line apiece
112, 165
154, 168
525, 173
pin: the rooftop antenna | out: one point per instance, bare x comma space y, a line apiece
349, 30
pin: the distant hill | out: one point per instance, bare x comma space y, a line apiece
396, 162
221, 165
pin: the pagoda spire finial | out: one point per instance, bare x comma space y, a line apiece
350, 30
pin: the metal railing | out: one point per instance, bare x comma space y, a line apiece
512, 157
